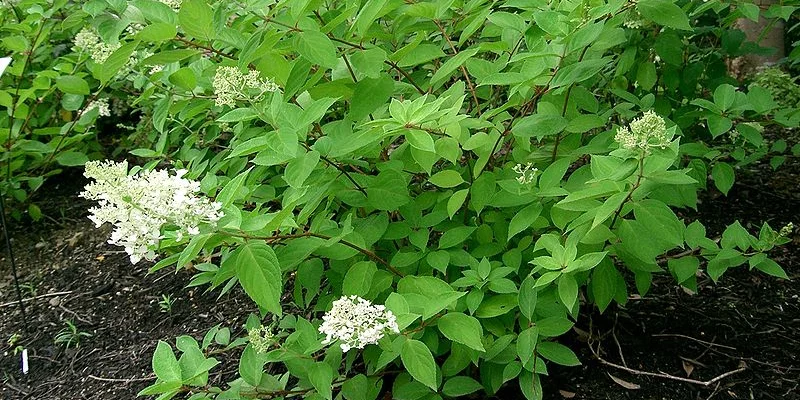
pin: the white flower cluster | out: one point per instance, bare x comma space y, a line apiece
261, 338
134, 28
645, 133
87, 40
102, 107
356, 322
174, 4
135, 59
787, 230
527, 173
230, 84
140, 205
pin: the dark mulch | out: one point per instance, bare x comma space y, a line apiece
746, 320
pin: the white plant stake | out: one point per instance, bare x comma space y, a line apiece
4, 61
25, 361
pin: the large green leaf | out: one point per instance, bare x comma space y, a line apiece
418, 361
664, 12
259, 273
463, 329
165, 365
315, 47
197, 19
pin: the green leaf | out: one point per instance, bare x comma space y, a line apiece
72, 84
418, 361
664, 12
429, 294
197, 19
539, 126
770, 267
72, 159
724, 96
553, 326
455, 236
578, 72
116, 61
724, 177
321, 376
421, 140
259, 273
369, 62
605, 279
157, 32
455, 202
300, 168
528, 296
558, 353
251, 366
526, 344
660, 220
369, 94
683, 268
358, 280
551, 22
165, 365
229, 193
388, 191
439, 259
568, 291
184, 78
241, 114
646, 75
315, 47
447, 179
460, 386
496, 305
524, 219
451, 65
463, 329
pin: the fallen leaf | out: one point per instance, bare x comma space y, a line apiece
688, 367
565, 394
625, 384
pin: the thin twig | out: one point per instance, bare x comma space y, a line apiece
665, 375
98, 378
691, 338
35, 298
463, 69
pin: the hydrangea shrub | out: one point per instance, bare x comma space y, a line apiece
420, 197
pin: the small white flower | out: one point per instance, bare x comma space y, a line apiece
102, 107
527, 173
88, 41
140, 205
231, 85
261, 339
356, 322
174, 4
645, 133
134, 28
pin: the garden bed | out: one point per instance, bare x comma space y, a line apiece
747, 320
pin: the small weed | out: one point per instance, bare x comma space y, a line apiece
70, 335
166, 303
